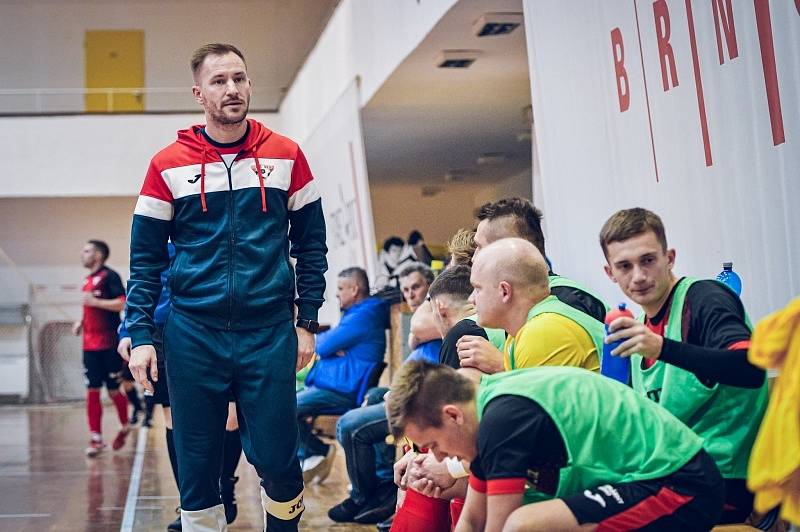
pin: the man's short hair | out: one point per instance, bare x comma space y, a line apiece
423, 269
453, 282
214, 48
527, 218
359, 276
419, 391
628, 223
462, 247
100, 246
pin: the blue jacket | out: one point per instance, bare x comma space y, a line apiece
428, 351
163, 307
361, 334
234, 227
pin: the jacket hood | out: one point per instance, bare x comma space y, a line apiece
193, 138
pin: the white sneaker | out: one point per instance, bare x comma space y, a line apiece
318, 466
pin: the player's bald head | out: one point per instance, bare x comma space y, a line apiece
515, 261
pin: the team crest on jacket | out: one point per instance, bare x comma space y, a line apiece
266, 169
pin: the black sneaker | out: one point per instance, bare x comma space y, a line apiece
379, 507
175, 525
386, 525
226, 492
134, 419
345, 511
148, 422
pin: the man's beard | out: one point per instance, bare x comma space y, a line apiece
223, 119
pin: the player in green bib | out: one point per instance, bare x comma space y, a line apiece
558, 448
689, 352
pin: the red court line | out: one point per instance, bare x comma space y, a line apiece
646, 94
698, 84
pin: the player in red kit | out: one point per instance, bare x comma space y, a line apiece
103, 300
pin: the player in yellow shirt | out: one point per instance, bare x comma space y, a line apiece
512, 292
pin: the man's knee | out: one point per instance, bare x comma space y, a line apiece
346, 426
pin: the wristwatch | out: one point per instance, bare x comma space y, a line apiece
309, 325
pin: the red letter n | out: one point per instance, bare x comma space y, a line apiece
618, 51
665, 54
723, 21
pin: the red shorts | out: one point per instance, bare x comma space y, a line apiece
420, 512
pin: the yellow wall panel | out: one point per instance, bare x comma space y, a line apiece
114, 59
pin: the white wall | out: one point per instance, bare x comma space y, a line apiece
87, 155
739, 205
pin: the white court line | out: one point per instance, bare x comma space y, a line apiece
18, 516
136, 480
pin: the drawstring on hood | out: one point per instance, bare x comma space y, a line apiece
261, 182
203, 180
193, 137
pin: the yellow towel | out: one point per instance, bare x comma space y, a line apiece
774, 469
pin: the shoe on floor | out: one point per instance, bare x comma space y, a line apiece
385, 526
345, 511
318, 467
134, 418
380, 507
147, 422
95, 447
119, 439
175, 525
226, 492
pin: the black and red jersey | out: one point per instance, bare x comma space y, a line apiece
100, 326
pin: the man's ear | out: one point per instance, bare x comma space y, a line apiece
671, 257
452, 414
198, 96
506, 291
608, 271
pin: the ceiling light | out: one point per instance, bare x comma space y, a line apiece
457, 58
492, 24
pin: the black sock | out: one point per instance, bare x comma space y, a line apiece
149, 405
173, 458
133, 399
231, 453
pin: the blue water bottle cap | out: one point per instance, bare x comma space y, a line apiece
622, 306
727, 265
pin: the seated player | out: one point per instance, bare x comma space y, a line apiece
689, 354
558, 448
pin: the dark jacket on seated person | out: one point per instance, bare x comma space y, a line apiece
348, 352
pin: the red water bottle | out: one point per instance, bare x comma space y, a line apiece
615, 367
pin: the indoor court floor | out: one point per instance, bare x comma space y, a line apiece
48, 484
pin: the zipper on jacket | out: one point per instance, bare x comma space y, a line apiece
231, 241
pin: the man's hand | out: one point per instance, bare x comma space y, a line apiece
637, 338
77, 328
400, 468
124, 349
143, 357
477, 352
89, 300
429, 468
305, 347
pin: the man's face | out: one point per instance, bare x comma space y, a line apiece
223, 88
90, 257
450, 439
487, 296
642, 269
346, 291
414, 288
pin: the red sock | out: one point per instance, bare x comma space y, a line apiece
94, 411
121, 402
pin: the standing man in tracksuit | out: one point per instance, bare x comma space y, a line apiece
237, 200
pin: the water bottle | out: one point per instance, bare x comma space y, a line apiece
730, 278
615, 367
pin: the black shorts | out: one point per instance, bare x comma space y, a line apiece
125, 373
160, 387
102, 367
687, 500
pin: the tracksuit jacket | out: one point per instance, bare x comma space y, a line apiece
229, 224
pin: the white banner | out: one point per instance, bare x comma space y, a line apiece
335, 152
688, 108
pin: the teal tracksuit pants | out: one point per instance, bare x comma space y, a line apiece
258, 366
